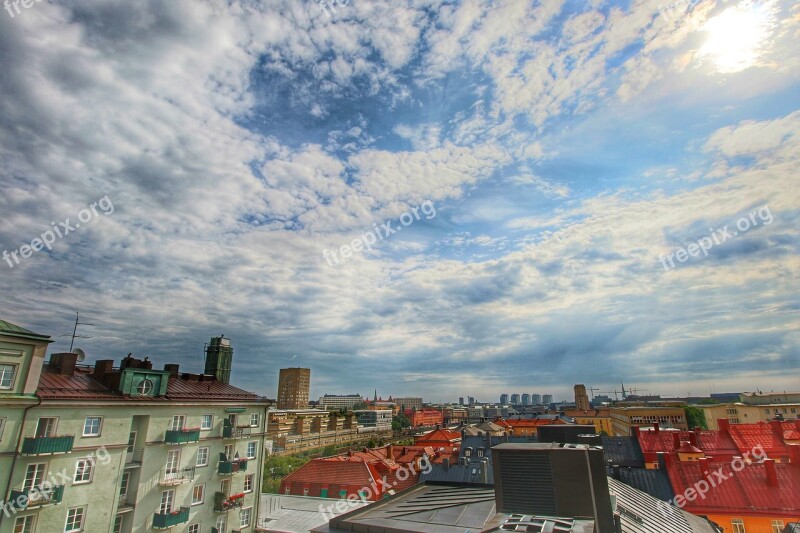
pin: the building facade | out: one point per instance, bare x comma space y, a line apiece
515, 399
504, 399
623, 419
742, 413
536, 399
409, 403
131, 449
293, 388
547, 399
340, 401
381, 419
581, 398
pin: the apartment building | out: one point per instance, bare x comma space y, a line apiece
624, 419
340, 401
742, 413
125, 448
293, 388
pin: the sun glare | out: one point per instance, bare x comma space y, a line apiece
738, 37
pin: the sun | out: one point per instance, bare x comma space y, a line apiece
739, 36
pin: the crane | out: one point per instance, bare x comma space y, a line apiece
591, 391
615, 393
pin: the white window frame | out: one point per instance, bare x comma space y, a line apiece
51, 431
193, 528
254, 445
27, 523
81, 467
173, 426
71, 515
222, 523
255, 420
166, 504
173, 462
248, 513
99, 426
777, 526
210, 425
738, 525
207, 454
39, 471
3, 373
229, 451
249, 479
202, 487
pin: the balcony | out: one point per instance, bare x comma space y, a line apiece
176, 476
47, 445
168, 520
182, 436
229, 431
232, 467
24, 500
224, 503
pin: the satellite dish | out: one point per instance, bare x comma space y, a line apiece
80, 353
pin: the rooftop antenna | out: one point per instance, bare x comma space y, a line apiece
75, 331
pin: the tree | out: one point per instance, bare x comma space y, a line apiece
695, 417
708, 401
400, 421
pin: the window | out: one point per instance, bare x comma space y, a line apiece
229, 452
222, 523
287, 490
7, 373
178, 423
167, 497
144, 387
34, 476
251, 450
248, 483
207, 422
194, 528
255, 420
46, 427
198, 494
777, 526
244, 517
24, 524
75, 518
123, 486
225, 487
173, 461
305, 492
2, 425
738, 525
91, 426
118, 523
766, 411
83, 470
202, 456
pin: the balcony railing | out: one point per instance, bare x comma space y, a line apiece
176, 476
168, 520
232, 467
23, 500
229, 431
182, 436
47, 445
224, 503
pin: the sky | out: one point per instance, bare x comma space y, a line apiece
425, 198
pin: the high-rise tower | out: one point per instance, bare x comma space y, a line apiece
219, 357
293, 388
581, 398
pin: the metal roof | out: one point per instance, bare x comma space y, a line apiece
623, 451
7, 328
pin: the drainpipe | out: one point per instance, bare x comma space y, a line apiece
16, 454
260, 480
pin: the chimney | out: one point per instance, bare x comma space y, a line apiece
772, 475
66, 363
794, 454
777, 428
102, 368
655, 427
615, 472
698, 429
693, 439
676, 440
172, 369
484, 471
446, 464
662, 460
635, 432
724, 425
147, 364
390, 452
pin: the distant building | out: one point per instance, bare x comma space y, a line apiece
624, 419
740, 413
409, 402
293, 388
460, 400
471, 400
373, 418
504, 399
424, 417
526, 399
581, 398
758, 398
515, 399
340, 401
536, 399
547, 399
454, 415
600, 418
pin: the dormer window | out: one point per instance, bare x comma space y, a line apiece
145, 387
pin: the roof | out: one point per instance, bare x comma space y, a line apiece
763, 434
297, 514
688, 448
438, 435
746, 491
654, 482
12, 330
81, 386
623, 451
712, 442
327, 471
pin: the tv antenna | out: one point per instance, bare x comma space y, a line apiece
75, 331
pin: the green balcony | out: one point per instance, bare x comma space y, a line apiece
182, 436
168, 520
232, 467
24, 500
224, 503
47, 445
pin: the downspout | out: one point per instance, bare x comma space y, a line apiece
260, 479
16, 454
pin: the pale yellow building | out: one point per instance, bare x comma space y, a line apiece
741, 413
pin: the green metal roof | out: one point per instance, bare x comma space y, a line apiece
7, 328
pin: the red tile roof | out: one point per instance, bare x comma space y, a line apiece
81, 386
439, 436
746, 492
717, 444
768, 436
